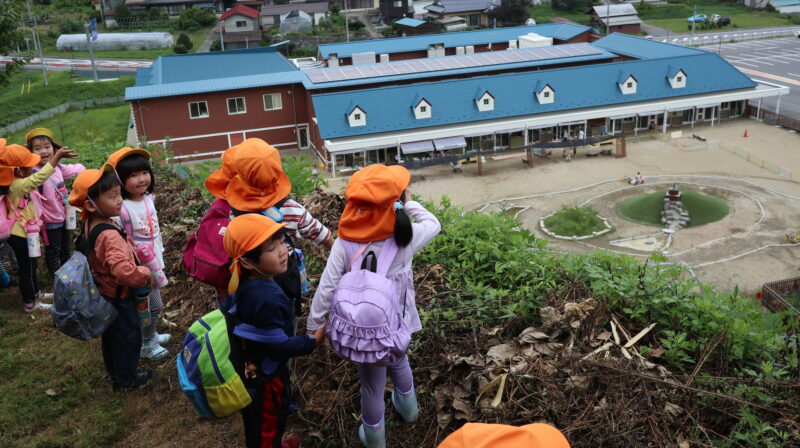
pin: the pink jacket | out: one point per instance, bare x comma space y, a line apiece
54, 191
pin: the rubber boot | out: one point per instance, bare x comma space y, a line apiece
406, 405
371, 437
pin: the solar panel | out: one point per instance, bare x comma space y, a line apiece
349, 72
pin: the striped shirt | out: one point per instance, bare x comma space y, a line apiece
300, 223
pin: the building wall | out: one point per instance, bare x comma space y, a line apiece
390, 12
631, 29
161, 118
230, 23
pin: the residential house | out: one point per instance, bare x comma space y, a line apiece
473, 11
786, 6
392, 10
240, 28
409, 27
173, 8
623, 18
271, 14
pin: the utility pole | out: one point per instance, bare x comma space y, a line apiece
694, 20
608, 17
221, 39
36, 42
90, 36
346, 24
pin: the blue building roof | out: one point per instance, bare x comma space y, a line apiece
452, 101
785, 2
560, 31
407, 21
213, 71
641, 48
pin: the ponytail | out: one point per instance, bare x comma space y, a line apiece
403, 231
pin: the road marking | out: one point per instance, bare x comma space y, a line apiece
744, 63
793, 74
769, 75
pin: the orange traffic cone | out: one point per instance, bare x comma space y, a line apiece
745, 133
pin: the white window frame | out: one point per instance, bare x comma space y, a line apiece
629, 86
419, 113
199, 116
360, 121
485, 102
273, 95
547, 95
678, 80
238, 112
243, 24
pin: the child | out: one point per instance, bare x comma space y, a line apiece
139, 219
40, 141
255, 244
24, 208
261, 186
377, 203
116, 273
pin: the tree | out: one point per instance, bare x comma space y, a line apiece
510, 12
11, 38
179, 48
194, 17
122, 12
184, 40
573, 5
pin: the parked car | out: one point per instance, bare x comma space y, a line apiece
797, 34
697, 18
719, 20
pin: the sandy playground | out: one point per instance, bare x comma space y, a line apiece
746, 248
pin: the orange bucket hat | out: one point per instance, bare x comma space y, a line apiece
217, 182
121, 153
13, 156
371, 193
6, 172
260, 181
485, 435
41, 132
245, 233
80, 187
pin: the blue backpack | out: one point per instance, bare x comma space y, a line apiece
79, 310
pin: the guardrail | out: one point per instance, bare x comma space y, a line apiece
719, 37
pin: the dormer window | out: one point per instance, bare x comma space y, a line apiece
545, 93
627, 84
484, 101
676, 78
357, 117
422, 109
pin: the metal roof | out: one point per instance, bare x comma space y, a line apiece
427, 65
213, 71
625, 9
452, 101
455, 6
641, 48
622, 20
407, 21
307, 7
560, 31
242, 10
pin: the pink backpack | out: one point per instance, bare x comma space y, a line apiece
5, 221
204, 257
365, 323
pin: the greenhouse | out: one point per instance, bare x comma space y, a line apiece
116, 41
296, 22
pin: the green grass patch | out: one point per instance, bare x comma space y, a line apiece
646, 208
80, 127
197, 37
18, 101
544, 14
673, 16
574, 221
35, 358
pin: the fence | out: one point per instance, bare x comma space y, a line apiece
772, 118
60, 109
775, 295
758, 161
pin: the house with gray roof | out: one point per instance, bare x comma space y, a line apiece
617, 18
271, 14
473, 11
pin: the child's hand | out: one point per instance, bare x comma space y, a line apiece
319, 336
61, 153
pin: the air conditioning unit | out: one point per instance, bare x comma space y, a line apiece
384, 57
367, 57
333, 60
470, 49
459, 50
532, 40
512, 44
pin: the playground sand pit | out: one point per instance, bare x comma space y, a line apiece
554, 183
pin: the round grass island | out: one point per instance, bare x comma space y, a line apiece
646, 208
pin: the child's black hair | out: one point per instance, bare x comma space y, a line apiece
403, 232
107, 182
29, 144
133, 164
255, 253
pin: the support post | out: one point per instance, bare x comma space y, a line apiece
620, 150
480, 163
529, 155
778, 107
664, 125
758, 111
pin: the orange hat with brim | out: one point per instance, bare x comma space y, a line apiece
371, 193
41, 132
260, 181
80, 187
245, 233
6, 172
13, 156
486, 435
217, 182
121, 153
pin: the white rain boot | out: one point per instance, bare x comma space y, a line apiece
406, 405
151, 350
371, 437
163, 338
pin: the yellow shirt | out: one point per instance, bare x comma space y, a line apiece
18, 189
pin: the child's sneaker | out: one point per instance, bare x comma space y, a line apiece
29, 307
42, 306
44, 296
163, 338
151, 350
142, 378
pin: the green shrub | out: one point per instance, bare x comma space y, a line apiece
215, 46
179, 49
70, 26
574, 221
184, 40
303, 175
194, 18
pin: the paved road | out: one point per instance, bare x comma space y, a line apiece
708, 37
60, 64
772, 60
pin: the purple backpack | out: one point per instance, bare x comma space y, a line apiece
365, 323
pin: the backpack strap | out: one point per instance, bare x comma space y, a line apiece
125, 220
87, 246
388, 252
353, 252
